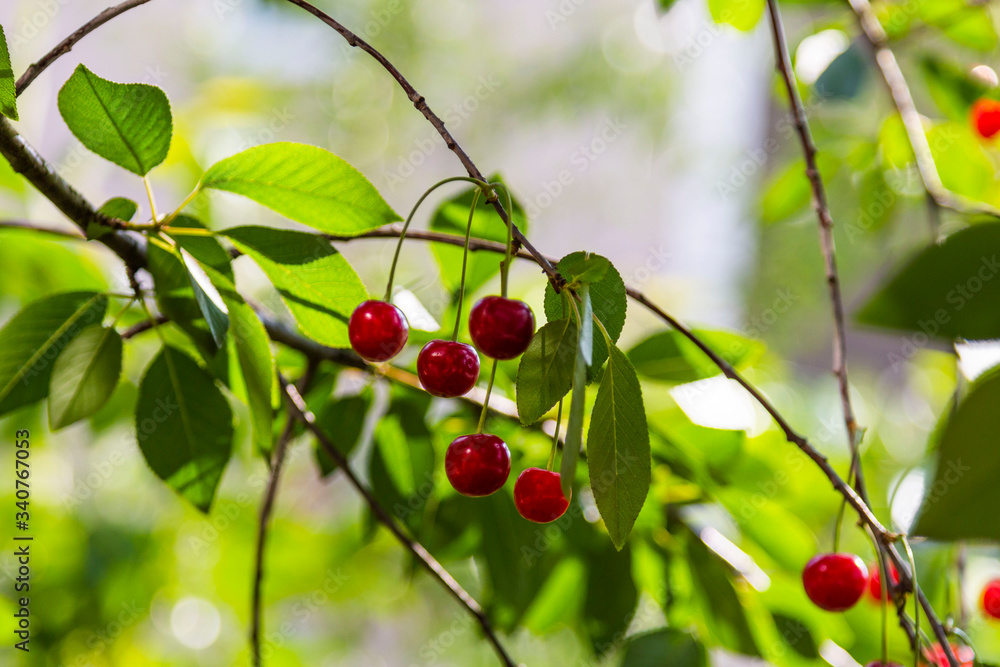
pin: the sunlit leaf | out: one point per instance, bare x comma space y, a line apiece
84, 375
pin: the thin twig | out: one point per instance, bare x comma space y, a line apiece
421, 105
298, 408
784, 66
67, 44
262, 525
55, 230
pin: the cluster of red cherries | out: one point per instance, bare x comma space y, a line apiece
835, 582
477, 464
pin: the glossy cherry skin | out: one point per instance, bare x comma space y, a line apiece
478, 464
875, 583
447, 368
985, 116
991, 599
966, 656
501, 328
538, 495
835, 582
377, 330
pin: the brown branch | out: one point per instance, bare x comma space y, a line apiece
297, 406
783, 65
67, 44
265, 516
421, 105
892, 75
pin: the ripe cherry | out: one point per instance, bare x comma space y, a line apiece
875, 583
378, 330
478, 464
991, 599
447, 368
985, 116
835, 582
879, 663
501, 328
538, 495
966, 656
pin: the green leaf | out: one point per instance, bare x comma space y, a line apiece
184, 426
208, 298
786, 193
452, 217
843, 78
343, 421
253, 349
609, 302
964, 166
665, 648
84, 375
315, 281
961, 22
895, 143
206, 249
723, 611
120, 208
588, 271
618, 452
968, 466
669, 356
947, 291
126, 123
574, 427
741, 14
545, 372
8, 90
306, 184
31, 341
611, 594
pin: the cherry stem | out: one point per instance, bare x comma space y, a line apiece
505, 265
555, 437
486, 401
409, 218
465, 263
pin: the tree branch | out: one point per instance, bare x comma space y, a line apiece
899, 90
783, 64
298, 407
67, 44
421, 105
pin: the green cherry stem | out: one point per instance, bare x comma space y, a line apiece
555, 437
486, 401
409, 218
465, 263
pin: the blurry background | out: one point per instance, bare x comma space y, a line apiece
656, 138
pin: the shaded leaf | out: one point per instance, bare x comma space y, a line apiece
343, 421
184, 426
665, 648
949, 290
574, 427
669, 356
618, 453
84, 375
126, 123
545, 372
967, 469
253, 349
32, 340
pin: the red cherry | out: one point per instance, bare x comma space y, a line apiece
501, 328
378, 330
991, 599
538, 495
835, 582
477, 465
875, 583
447, 368
985, 116
879, 663
966, 656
